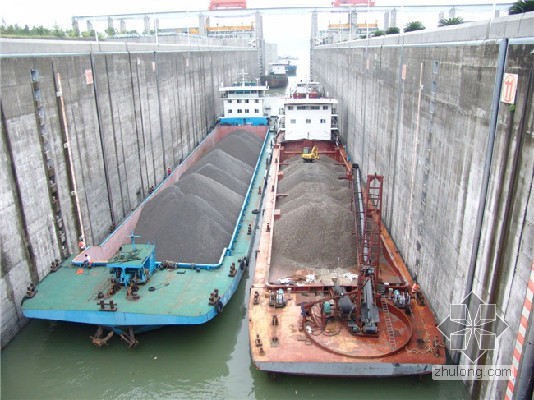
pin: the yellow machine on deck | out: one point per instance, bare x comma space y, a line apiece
310, 156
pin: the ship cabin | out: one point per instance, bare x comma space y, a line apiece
278, 68
243, 104
308, 115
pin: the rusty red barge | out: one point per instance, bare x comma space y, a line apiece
331, 294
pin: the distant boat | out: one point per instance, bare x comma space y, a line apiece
291, 69
276, 77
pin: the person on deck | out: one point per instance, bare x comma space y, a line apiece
87, 261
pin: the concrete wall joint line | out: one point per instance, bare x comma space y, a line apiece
101, 143
67, 155
512, 153
144, 184
160, 114
47, 162
28, 251
416, 144
115, 147
82, 177
502, 219
140, 124
397, 128
119, 137
503, 47
150, 131
527, 107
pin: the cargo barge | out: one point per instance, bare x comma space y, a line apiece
179, 257
331, 294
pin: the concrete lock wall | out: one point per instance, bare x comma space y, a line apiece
422, 112
127, 116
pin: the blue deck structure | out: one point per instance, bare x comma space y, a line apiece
236, 121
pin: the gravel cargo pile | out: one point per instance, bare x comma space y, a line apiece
193, 220
316, 224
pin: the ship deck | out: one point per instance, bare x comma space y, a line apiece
171, 296
280, 340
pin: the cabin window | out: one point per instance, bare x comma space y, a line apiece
229, 101
239, 111
308, 121
239, 100
292, 121
246, 100
325, 107
247, 110
229, 111
302, 108
257, 111
323, 121
289, 107
256, 100
315, 108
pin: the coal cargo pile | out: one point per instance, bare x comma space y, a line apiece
193, 220
315, 229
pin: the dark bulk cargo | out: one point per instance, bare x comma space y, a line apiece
193, 220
